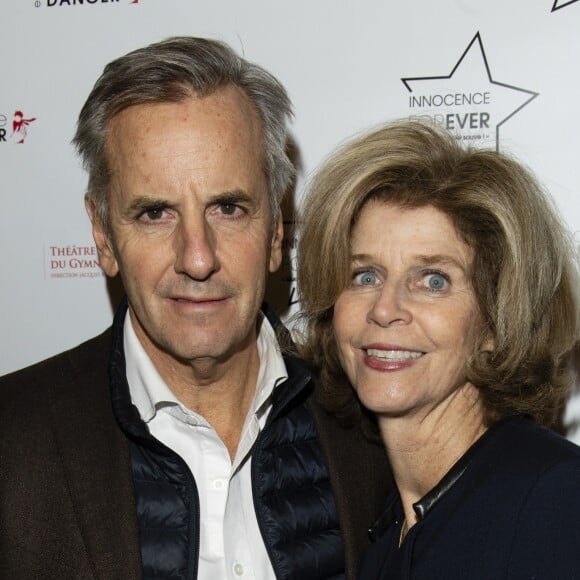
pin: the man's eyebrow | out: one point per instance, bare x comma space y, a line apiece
232, 196
144, 202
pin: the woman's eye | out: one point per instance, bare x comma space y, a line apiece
365, 279
436, 282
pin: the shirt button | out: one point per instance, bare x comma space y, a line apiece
238, 569
219, 484
191, 420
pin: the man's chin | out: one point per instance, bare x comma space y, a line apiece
188, 349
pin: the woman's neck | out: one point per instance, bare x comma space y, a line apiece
423, 446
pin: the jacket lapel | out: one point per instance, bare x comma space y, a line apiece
95, 458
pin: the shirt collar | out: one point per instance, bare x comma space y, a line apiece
149, 392
272, 369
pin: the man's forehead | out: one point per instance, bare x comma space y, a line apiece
226, 119
225, 102
211, 139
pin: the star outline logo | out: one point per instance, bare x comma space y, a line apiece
557, 5
477, 39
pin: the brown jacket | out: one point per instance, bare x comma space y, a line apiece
67, 508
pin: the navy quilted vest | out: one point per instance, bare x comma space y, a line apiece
292, 494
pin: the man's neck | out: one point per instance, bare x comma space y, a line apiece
219, 390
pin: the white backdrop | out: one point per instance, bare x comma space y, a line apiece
502, 73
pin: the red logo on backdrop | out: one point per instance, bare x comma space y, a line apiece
71, 261
60, 3
20, 127
16, 131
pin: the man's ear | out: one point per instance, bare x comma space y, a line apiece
102, 239
276, 247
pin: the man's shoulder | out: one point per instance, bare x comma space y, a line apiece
354, 463
85, 362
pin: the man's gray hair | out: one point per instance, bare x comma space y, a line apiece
171, 71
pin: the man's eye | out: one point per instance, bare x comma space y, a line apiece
436, 282
154, 213
365, 278
229, 208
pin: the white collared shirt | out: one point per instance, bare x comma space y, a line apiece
231, 546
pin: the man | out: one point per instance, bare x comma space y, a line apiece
181, 443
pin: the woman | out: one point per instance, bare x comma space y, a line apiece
441, 284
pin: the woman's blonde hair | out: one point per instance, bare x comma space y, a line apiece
524, 272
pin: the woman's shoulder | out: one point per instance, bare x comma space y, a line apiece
517, 458
521, 499
546, 541
525, 446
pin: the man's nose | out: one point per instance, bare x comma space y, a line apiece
195, 248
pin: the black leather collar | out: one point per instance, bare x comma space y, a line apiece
394, 513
